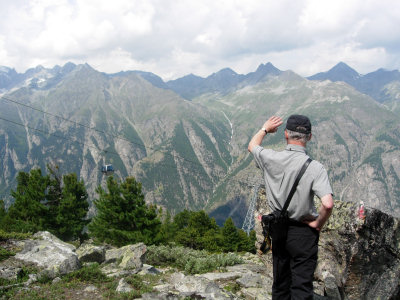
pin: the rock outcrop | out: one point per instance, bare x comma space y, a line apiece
49, 253
359, 254
88, 252
125, 260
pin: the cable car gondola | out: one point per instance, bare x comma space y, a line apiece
107, 169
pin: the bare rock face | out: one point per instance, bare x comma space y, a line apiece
50, 253
125, 260
362, 253
359, 254
91, 253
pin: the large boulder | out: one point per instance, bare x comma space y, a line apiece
88, 252
50, 254
362, 254
125, 260
359, 254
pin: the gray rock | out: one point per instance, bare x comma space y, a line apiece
248, 267
31, 279
331, 289
250, 280
191, 286
112, 270
161, 296
123, 286
56, 280
90, 288
47, 236
49, 253
10, 272
91, 253
127, 257
149, 270
221, 276
162, 287
256, 293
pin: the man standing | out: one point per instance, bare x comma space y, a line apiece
295, 256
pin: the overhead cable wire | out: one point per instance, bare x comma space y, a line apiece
72, 140
95, 129
108, 151
71, 121
112, 152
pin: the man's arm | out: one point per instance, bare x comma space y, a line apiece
324, 212
271, 125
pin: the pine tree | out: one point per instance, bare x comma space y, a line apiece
2, 212
167, 230
181, 220
196, 230
53, 197
201, 221
246, 242
212, 240
72, 209
230, 236
28, 213
122, 214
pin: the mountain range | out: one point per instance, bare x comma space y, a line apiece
186, 139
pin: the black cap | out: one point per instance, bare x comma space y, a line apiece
299, 123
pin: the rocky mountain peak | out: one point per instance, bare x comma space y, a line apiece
223, 72
4, 69
340, 72
267, 68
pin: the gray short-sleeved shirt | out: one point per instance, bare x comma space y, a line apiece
280, 170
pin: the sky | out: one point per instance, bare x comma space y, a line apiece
173, 38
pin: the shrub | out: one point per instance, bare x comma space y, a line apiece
189, 260
89, 273
137, 282
13, 235
4, 254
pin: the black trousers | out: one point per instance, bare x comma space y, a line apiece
294, 262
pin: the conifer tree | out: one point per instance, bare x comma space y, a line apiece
230, 236
53, 197
2, 212
167, 230
72, 209
212, 240
181, 220
247, 242
28, 213
44, 203
122, 214
201, 221
193, 228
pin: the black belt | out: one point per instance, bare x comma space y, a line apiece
297, 223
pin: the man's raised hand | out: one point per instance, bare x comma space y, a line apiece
272, 124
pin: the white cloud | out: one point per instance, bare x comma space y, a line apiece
175, 38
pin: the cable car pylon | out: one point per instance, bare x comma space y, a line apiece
249, 221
